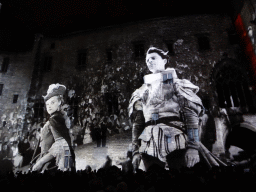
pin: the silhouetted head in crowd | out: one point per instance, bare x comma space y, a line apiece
32, 141
5, 139
5, 146
29, 121
105, 119
88, 169
10, 130
121, 116
19, 120
94, 121
125, 112
112, 118
97, 115
29, 126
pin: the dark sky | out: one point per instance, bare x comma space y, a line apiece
23, 18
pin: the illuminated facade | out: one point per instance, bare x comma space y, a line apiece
102, 67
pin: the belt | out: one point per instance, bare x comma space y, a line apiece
166, 120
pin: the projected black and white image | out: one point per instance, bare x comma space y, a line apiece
166, 112
171, 92
54, 141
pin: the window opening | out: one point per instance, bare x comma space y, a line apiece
203, 43
47, 63
15, 98
5, 64
39, 109
139, 51
1, 88
170, 48
82, 59
109, 56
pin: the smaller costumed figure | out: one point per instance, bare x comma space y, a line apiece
55, 140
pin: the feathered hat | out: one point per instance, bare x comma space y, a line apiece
54, 90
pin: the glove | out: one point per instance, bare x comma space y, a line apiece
136, 161
191, 157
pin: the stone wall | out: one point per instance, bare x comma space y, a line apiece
189, 62
17, 81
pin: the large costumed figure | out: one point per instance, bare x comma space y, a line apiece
55, 140
165, 111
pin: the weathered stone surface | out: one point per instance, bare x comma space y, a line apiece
16, 80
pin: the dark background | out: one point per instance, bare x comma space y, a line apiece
21, 19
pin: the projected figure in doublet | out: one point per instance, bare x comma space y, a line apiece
165, 111
55, 141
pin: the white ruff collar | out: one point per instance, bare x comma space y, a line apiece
156, 77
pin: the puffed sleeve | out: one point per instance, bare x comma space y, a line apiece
191, 113
46, 138
135, 100
137, 117
191, 109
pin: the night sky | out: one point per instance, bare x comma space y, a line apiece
21, 19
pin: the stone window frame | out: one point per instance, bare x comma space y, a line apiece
1, 88
82, 59
170, 47
109, 59
203, 42
39, 108
47, 63
233, 37
5, 64
15, 98
139, 50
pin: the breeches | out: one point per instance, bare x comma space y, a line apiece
161, 140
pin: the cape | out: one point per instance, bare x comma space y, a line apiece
183, 87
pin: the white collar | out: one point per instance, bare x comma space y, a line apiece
148, 79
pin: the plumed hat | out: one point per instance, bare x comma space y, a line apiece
54, 90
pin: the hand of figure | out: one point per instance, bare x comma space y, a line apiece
191, 157
136, 161
34, 168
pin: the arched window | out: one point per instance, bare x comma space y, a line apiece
232, 87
